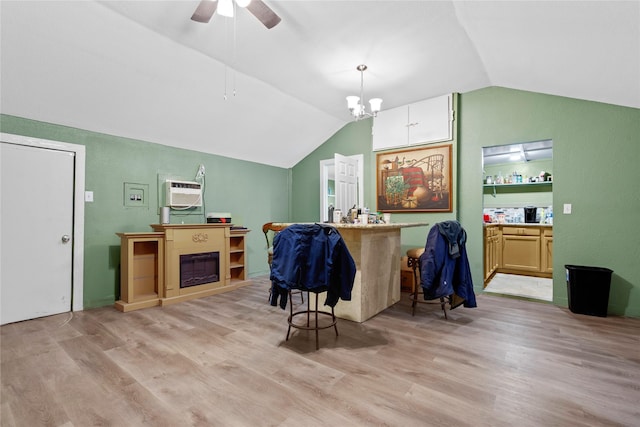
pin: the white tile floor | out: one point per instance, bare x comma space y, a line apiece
522, 286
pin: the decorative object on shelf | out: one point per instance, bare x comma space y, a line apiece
425, 175
354, 103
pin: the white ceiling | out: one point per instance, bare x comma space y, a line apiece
145, 70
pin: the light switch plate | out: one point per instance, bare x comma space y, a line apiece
567, 208
88, 196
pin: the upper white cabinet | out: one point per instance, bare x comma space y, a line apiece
422, 122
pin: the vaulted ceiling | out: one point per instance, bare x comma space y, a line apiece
145, 70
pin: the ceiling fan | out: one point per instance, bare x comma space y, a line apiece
207, 8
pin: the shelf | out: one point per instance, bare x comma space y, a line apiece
237, 262
524, 187
141, 275
522, 184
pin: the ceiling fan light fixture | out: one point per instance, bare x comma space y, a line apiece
243, 3
355, 106
225, 8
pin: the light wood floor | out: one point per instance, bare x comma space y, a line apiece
224, 361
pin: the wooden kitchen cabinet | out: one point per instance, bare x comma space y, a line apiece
547, 251
492, 251
520, 249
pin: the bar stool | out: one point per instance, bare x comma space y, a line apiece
413, 262
311, 258
270, 229
316, 326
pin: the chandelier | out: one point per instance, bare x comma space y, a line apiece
354, 103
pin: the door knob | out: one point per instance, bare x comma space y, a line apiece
66, 238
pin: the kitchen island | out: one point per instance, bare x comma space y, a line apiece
376, 251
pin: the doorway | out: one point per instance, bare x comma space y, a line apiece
518, 219
332, 194
42, 184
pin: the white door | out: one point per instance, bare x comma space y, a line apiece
346, 170
36, 230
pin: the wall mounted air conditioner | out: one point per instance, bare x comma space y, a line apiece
183, 194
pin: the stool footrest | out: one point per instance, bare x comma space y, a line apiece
413, 261
310, 326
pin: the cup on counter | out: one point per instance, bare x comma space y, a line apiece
386, 217
337, 216
364, 218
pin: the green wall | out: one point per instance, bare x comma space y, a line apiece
252, 192
596, 148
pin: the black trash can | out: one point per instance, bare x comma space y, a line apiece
588, 289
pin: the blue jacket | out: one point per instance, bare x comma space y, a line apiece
444, 266
312, 257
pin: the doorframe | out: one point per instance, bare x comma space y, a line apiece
77, 273
324, 178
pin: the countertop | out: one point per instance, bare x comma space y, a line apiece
518, 224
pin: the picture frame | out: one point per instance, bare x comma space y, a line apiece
415, 179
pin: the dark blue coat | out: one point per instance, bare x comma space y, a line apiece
444, 266
312, 257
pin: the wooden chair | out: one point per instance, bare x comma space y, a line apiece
270, 230
413, 262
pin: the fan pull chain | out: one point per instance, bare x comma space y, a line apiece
235, 59
226, 44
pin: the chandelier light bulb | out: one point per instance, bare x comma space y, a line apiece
243, 3
352, 102
376, 104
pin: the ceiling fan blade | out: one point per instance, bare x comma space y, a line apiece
264, 13
205, 11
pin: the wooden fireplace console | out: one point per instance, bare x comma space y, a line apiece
150, 263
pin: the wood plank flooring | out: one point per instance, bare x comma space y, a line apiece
223, 361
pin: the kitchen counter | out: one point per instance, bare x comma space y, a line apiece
518, 224
518, 248
375, 248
